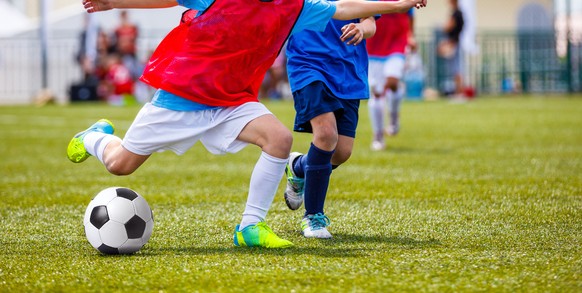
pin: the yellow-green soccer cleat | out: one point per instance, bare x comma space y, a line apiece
76, 151
259, 235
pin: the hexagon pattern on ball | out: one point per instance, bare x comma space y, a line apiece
118, 221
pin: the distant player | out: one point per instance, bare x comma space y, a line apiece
386, 50
208, 72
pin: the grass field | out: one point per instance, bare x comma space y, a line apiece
482, 196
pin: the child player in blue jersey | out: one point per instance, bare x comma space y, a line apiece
328, 77
208, 72
328, 74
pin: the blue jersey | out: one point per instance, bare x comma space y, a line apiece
322, 56
314, 16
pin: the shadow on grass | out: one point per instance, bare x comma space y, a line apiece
358, 246
394, 240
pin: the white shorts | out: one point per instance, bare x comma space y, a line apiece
380, 70
158, 129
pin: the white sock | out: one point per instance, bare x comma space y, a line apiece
95, 143
395, 99
264, 183
376, 107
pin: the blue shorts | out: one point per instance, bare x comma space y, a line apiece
316, 99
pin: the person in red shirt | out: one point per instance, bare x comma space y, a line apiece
386, 51
126, 35
118, 81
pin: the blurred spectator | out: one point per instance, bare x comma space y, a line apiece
450, 48
125, 36
87, 55
118, 82
109, 63
275, 76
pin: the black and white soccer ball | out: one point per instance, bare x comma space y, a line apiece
118, 221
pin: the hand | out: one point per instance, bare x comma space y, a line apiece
407, 4
412, 44
353, 33
421, 3
97, 5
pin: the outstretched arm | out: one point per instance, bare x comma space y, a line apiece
103, 5
350, 9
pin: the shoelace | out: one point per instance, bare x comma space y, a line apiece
319, 221
264, 226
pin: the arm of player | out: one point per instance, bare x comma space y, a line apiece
412, 44
355, 33
103, 5
350, 9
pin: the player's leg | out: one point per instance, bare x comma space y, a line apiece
98, 140
343, 150
377, 110
119, 161
309, 102
457, 71
394, 69
347, 124
275, 140
377, 103
333, 132
317, 162
394, 97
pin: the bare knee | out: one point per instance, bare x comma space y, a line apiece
121, 162
392, 84
279, 143
325, 137
118, 169
284, 141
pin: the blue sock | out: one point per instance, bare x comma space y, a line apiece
317, 170
299, 166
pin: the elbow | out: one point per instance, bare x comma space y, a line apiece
371, 32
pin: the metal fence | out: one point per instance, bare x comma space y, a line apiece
507, 62
21, 72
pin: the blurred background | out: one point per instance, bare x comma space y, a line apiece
52, 51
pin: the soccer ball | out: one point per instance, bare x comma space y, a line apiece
118, 221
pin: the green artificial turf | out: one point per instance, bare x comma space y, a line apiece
481, 196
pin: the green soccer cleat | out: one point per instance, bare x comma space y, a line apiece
76, 151
259, 235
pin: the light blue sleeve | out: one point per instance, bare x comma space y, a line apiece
315, 15
199, 5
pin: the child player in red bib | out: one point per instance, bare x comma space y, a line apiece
208, 72
386, 50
